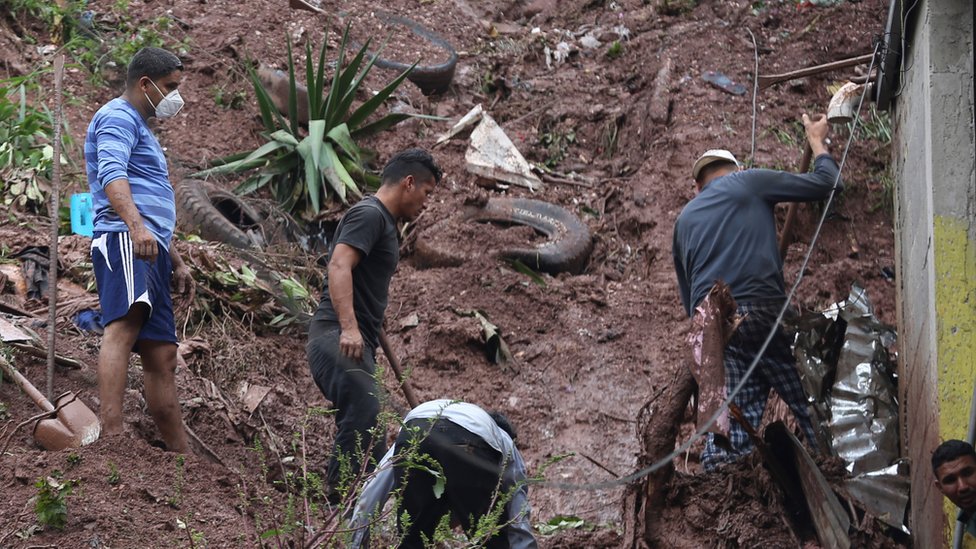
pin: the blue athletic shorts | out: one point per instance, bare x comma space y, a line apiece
124, 281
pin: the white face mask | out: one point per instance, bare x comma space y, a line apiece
169, 106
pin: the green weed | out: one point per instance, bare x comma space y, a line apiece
73, 459
176, 499
114, 476
561, 523
26, 152
557, 144
876, 126
615, 50
51, 503
229, 99
195, 538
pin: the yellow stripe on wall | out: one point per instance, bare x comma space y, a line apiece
955, 308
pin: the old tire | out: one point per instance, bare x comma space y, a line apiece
218, 215
569, 241
431, 79
567, 249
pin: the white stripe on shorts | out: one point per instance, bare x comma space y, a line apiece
125, 251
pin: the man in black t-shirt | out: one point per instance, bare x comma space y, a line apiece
344, 333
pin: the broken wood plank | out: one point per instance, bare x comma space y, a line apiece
41, 352
658, 424
712, 327
830, 519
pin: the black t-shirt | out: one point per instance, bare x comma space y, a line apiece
370, 228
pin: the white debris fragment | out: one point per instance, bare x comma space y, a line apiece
590, 42
466, 121
562, 52
623, 32
491, 154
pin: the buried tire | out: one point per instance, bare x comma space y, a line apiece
566, 249
431, 79
217, 215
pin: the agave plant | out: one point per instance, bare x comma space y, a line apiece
304, 169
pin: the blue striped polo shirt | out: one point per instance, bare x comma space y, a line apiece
119, 145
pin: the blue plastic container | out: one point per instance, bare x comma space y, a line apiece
82, 214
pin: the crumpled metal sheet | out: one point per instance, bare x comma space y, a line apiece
863, 399
884, 493
850, 378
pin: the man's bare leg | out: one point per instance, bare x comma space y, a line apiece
113, 366
159, 370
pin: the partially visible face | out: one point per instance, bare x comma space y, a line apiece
166, 85
956, 479
415, 196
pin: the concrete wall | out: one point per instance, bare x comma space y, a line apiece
935, 233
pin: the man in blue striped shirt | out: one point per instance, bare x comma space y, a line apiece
134, 263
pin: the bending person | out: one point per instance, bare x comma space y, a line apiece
476, 454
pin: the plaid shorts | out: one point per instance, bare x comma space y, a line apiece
776, 370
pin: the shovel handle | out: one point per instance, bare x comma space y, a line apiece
25, 385
395, 365
786, 237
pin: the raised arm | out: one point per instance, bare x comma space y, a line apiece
776, 186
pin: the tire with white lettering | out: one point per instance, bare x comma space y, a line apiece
566, 249
217, 215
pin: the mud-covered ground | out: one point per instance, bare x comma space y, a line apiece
588, 349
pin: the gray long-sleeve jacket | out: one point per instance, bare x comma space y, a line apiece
728, 231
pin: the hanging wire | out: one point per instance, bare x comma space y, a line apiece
755, 94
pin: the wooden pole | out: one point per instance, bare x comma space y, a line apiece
767, 80
397, 370
786, 237
53, 211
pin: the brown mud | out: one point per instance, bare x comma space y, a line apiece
588, 350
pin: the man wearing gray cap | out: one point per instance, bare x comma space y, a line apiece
728, 233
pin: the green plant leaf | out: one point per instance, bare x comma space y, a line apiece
340, 136
255, 159
282, 165
380, 125
387, 122
317, 87
284, 137
349, 83
311, 150
228, 159
334, 93
439, 485
335, 173
527, 271
370, 106
270, 116
313, 100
